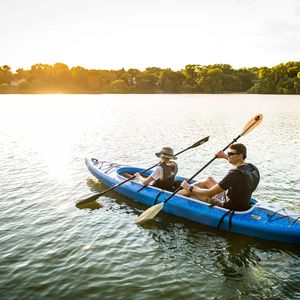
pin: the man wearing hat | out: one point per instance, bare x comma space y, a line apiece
164, 175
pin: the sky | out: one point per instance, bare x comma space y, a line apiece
115, 34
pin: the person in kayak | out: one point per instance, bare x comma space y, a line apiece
163, 175
235, 189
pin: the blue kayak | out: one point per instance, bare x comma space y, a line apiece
261, 220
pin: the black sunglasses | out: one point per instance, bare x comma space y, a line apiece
232, 153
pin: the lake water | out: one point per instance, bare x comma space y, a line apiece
52, 250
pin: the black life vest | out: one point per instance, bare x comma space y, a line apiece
169, 173
251, 177
238, 197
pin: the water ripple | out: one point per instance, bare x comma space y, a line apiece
52, 250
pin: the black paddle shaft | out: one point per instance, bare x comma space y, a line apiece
179, 188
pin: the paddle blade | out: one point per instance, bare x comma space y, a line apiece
204, 140
90, 205
252, 124
149, 214
88, 200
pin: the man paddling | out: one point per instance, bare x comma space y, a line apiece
164, 174
235, 189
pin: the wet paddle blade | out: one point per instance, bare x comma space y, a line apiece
90, 205
149, 214
252, 124
88, 200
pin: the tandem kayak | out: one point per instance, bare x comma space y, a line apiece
261, 220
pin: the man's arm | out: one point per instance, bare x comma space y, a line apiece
202, 193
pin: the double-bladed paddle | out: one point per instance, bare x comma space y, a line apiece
96, 196
151, 212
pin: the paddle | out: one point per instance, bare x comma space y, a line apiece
151, 212
95, 197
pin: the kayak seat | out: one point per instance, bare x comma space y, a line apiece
126, 175
177, 184
130, 174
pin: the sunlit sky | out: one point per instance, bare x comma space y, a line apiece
114, 34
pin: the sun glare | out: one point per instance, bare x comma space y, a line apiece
48, 131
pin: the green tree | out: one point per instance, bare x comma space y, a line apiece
171, 82
119, 86
280, 79
5, 75
146, 83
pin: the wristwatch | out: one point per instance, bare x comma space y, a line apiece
191, 188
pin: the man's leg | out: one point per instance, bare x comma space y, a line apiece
205, 184
215, 200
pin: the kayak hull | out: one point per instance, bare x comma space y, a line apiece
261, 220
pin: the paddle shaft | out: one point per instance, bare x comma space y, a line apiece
179, 188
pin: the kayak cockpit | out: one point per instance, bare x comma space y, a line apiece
127, 172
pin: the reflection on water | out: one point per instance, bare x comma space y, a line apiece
245, 266
50, 249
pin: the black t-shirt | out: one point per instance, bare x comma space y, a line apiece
240, 184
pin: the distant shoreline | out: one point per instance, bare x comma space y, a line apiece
242, 93
282, 79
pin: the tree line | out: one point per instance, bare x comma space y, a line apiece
194, 78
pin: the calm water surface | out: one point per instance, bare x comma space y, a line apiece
52, 250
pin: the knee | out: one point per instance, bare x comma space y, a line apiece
209, 182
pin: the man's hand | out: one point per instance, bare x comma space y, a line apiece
184, 184
221, 154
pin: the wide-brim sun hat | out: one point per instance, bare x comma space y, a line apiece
166, 152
